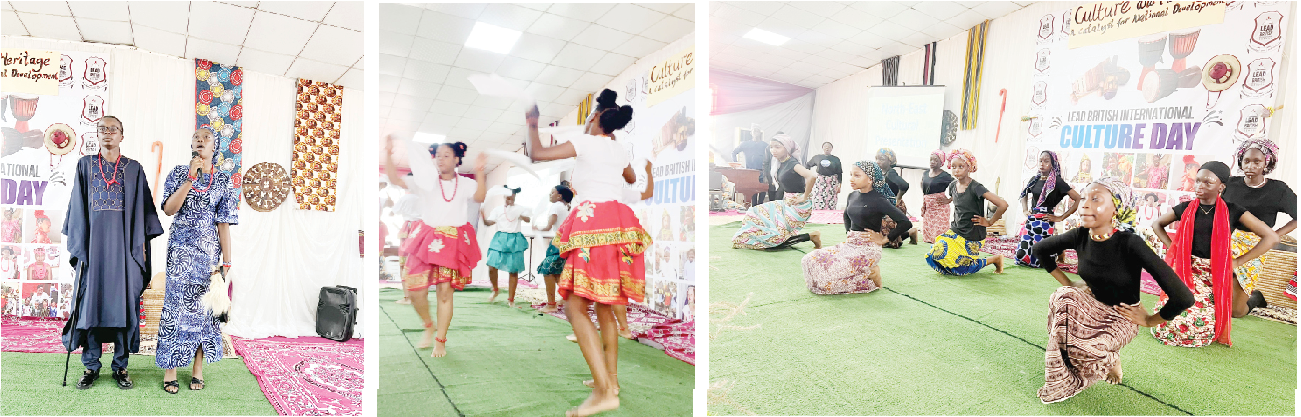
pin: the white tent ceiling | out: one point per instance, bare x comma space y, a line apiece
566, 51
320, 41
832, 40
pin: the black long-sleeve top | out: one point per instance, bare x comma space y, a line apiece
866, 211
1204, 225
896, 182
1265, 203
936, 184
826, 165
1113, 268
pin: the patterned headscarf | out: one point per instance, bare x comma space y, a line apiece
965, 155
878, 178
939, 153
889, 155
1265, 146
791, 148
1050, 182
1123, 197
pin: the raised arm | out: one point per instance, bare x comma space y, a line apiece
650, 184
390, 168
539, 152
482, 192
485, 217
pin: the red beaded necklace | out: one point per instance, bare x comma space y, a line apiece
109, 181
211, 174
455, 187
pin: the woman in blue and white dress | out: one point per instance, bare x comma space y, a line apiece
205, 205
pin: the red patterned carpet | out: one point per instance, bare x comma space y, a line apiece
677, 337
307, 376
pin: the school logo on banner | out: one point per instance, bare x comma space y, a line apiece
1268, 34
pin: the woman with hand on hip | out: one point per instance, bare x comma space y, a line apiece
1089, 321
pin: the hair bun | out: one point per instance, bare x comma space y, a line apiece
607, 99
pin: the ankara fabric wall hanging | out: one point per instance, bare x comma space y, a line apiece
318, 121
219, 104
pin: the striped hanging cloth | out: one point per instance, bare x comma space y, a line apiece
971, 83
890, 71
928, 66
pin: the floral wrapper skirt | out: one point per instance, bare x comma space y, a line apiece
954, 255
935, 219
1195, 327
1084, 341
771, 224
844, 268
1249, 273
603, 245
438, 254
824, 192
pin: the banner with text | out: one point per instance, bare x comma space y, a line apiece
663, 131
1150, 109
44, 136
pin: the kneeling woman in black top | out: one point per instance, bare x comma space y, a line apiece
854, 266
777, 224
1090, 321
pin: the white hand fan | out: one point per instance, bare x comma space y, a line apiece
423, 170
519, 160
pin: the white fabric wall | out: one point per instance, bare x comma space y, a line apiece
793, 117
839, 109
281, 258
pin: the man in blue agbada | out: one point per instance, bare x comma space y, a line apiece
111, 219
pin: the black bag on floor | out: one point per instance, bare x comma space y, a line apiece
336, 313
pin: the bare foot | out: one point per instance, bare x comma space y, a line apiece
440, 350
1115, 374
596, 403
549, 309
626, 333
511, 303
997, 260
816, 237
492, 297
592, 383
572, 338
404, 301
427, 339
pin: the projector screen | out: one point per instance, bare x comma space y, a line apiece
907, 120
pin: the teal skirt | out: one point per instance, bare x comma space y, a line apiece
506, 253
553, 264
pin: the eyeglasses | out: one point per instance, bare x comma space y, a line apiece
110, 129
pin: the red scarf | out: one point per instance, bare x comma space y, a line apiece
1180, 258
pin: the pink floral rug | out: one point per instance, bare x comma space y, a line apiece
677, 337
32, 335
307, 376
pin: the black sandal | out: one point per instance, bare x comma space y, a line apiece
196, 381
172, 384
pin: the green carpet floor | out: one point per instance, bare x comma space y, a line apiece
511, 362
33, 386
933, 345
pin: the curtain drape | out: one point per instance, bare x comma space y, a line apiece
734, 92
